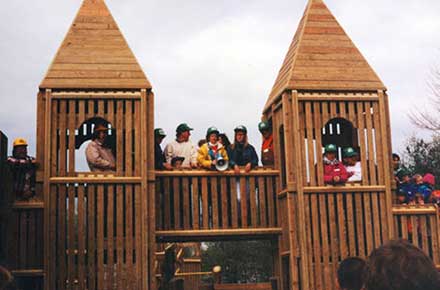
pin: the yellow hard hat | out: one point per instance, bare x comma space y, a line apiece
20, 142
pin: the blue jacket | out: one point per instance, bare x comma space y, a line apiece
242, 154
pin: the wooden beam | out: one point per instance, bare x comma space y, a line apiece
95, 180
206, 173
332, 189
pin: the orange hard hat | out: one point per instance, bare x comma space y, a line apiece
20, 142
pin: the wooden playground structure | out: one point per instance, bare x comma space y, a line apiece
107, 231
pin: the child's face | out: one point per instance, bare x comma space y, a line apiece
396, 162
406, 178
401, 198
330, 156
419, 200
418, 179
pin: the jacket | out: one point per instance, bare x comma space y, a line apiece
181, 149
206, 155
267, 157
159, 157
99, 158
332, 169
242, 154
23, 176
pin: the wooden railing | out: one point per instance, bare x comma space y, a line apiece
207, 200
420, 225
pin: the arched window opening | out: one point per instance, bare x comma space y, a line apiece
83, 136
340, 132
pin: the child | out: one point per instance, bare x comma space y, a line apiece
352, 165
334, 171
406, 187
424, 187
352, 273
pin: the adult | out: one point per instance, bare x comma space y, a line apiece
267, 155
182, 147
159, 157
399, 265
99, 156
212, 150
241, 153
397, 168
22, 167
352, 164
334, 172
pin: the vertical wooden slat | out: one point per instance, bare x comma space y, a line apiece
434, 222
52, 235
54, 124
138, 231
234, 214
195, 203
404, 226
119, 138
243, 202
302, 139
22, 217
270, 200
176, 209
309, 242
120, 238
167, 202
371, 155
351, 225
91, 237
316, 243
137, 142
63, 135
253, 204
325, 242
360, 223
424, 233
376, 218
362, 145
368, 224
81, 238
62, 237
129, 235
71, 238
72, 121
205, 221
100, 236
334, 241
318, 138
128, 138
378, 142
214, 203
341, 210
288, 144
186, 207
262, 201
224, 201
310, 147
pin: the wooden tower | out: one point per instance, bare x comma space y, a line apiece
326, 92
99, 228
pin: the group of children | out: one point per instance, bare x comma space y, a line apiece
415, 189
337, 173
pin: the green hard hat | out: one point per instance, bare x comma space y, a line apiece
349, 152
263, 126
183, 127
330, 148
240, 128
159, 132
212, 130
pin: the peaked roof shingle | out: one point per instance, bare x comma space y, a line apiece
95, 55
322, 57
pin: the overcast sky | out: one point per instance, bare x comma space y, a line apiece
214, 62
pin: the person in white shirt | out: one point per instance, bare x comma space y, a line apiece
352, 164
182, 147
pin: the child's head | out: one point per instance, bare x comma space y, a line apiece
396, 161
429, 179
350, 156
330, 151
404, 176
352, 273
401, 197
418, 179
419, 198
176, 162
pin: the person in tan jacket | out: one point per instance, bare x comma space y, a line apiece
99, 157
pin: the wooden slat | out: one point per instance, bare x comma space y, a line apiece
318, 138
224, 201
100, 236
378, 142
72, 268
368, 223
334, 241
186, 202
243, 202
195, 203
119, 138
424, 233
205, 221
253, 205
351, 225
62, 237
262, 202
360, 223
167, 202
23, 237
110, 236
120, 269
63, 135
72, 122
362, 144
309, 242
371, 155
176, 208
214, 203
129, 236
341, 210
318, 273
310, 147
270, 201
375, 218
434, 222
325, 242
138, 230
234, 212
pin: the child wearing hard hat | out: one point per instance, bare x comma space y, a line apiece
99, 156
267, 156
212, 151
352, 164
241, 153
334, 171
23, 169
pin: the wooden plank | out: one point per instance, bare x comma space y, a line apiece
368, 223
302, 146
316, 243
318, 138
167, 202
371, 155
63, 136
128, 138
288, 144
100, 236
253, 203
309, 242
89, 83
52, 252
195, 204
96, 179
376, 219
138, 232
72, 128
424, 233
53, 152
110, 236
360, 223
176, 204
214, 203
23, 237
404, 226
120, 269
91, 237
62, 237
334, 241
415, 228
310, 147
224, 201
119, 138
259, 171
137, 141
243, 202
72, 268
351, 225
262, 202
325, 242
434, 222
234, 214
270, 201
131, 277
341, 209
378, 141
362, 144
205, 221
186, 202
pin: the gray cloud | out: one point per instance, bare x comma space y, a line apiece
214, 62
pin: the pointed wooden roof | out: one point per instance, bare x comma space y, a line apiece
322, 57
95, 55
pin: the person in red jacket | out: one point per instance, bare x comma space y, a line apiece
334, 171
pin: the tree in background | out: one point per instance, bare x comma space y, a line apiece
429, 120
241, 261
421, 156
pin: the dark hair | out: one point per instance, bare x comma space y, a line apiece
352, 273
399, 265
396, 156
225, 139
